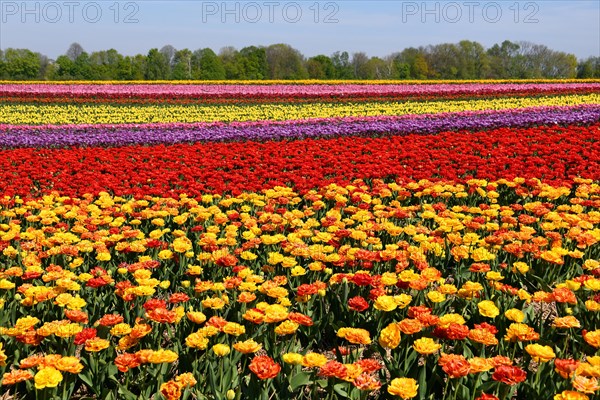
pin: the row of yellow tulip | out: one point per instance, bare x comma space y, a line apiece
109, 114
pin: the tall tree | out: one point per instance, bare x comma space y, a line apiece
168, 52
74, 51
210, 66
419, 68
65, 68
320, 67
411, 63
398, 67
3, 74
231, 60
589, 68
341, 64
474, 63
359, 65
443, 61
138, 67
156, 65
21, 64
285, 62
378, 68
106, 64
505, 60
543, 62
254, 62
182, 65
82, 67
47, 68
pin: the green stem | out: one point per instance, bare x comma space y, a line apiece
455, 389
64, 389
504, 392
423, 381
536, 380
476, 385
446, 387
329, 389
221, 391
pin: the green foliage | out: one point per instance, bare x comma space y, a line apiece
157, 65
209, 65
20, 64
285, 62
463, 60
320, 67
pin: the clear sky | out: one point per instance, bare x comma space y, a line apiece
313, 27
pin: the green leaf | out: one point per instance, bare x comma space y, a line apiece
147, 393
322, 383
487, 386
213, 381
409, 361
87, 379
468, 353
108, 395
300, 379
422, 383
339, 389
112, 370
463, 392
126, 394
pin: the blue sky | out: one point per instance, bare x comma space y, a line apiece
313, 27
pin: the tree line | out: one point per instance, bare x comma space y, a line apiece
463, 60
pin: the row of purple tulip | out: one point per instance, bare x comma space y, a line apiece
106, 135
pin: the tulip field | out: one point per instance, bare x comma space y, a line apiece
304, 240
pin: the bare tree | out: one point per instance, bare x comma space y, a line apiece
169, 52
74, 51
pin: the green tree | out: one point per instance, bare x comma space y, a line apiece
209, 65
125, 69
419, 68
105, 64
21, 64
474, 63
341, 65
285, 62
65, 68
378, 68
82, 67
398, 68
505, 61
182, 65
359, 63
47, 68
538, 61
589, 68
137, 67
157, 67
320, 67
168, 52
443, 61
411, 63
232, 63
253, 61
